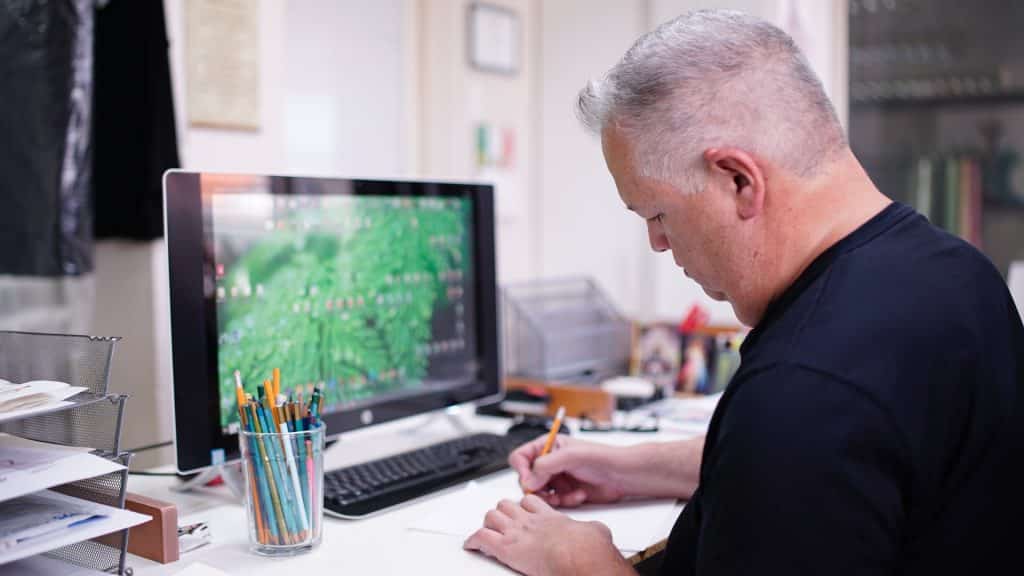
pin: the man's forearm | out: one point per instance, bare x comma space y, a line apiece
661, 469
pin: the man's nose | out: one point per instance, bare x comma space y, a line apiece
656, 236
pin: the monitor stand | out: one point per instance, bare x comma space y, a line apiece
454, 415
231, 474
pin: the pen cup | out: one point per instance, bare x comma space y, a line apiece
284, 478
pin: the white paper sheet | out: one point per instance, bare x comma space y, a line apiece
200, 569
1015, 280
56, 392
685, 414
634, 525
34, 394
5, 416
27, 466
110, 520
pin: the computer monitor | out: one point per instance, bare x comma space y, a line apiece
380, 292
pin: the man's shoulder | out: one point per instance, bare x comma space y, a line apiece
795, 393
915, 289
912, 262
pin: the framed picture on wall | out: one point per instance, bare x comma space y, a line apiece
494, 42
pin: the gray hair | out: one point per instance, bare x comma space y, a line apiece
714, 78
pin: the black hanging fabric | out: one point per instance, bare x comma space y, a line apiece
45, 103
135, 135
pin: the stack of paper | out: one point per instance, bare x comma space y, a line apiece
685, 414
27, 466
34, 520
40, 522
20, 400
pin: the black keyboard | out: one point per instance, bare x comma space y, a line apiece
369, 487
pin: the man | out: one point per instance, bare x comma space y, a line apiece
876, 424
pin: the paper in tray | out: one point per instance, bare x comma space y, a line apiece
27, 466
104, 520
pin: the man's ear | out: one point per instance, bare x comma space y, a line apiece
748, 183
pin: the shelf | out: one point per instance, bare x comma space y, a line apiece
90, 420
1004, 99
1004, 204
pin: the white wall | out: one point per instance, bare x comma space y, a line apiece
584, 228
342, 88
455, 98
131, 296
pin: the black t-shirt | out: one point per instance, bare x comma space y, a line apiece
876, 423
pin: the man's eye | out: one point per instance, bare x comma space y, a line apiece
657, 218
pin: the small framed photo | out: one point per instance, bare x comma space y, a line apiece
656, 354
494, 42
710, 357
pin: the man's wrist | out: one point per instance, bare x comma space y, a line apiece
609, 562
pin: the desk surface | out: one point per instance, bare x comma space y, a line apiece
381, 544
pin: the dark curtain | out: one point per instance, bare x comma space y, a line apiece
45, 105
135, 137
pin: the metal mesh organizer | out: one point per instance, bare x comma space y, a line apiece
107, 553
563, 329
94, 422
79, 360
93, 418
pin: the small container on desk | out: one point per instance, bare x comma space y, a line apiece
284, 477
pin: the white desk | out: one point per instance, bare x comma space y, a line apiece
381, 544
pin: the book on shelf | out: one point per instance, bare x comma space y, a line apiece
948, 190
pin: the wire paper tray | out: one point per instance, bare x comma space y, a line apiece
92, 418
563, 329
93, 421
77, 360
108, 553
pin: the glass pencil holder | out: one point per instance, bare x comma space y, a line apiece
284, 478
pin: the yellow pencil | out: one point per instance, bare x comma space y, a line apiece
554, 431
552, 434
271, 401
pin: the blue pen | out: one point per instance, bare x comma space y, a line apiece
283, 494
261, 474
284, 482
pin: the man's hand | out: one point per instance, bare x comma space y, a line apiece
574, 472
577, 471
532, 538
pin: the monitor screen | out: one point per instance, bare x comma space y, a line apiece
379, 293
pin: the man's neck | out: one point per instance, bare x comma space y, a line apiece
821, 212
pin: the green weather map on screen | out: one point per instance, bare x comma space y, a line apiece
362, 296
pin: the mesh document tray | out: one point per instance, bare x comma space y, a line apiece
93, 418
563, 329
77, 360
95, 423
106, 553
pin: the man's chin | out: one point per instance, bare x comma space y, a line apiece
716, 295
